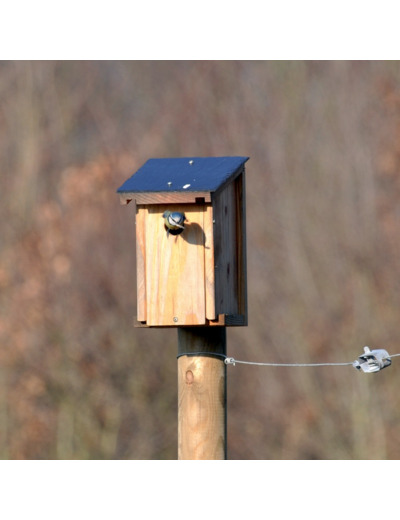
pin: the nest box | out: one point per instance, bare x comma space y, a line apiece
196, 276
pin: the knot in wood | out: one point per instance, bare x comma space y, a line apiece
189, 377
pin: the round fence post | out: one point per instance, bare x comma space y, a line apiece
202, 393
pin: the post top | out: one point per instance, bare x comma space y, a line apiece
183, 174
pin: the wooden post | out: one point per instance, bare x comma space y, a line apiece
201, 393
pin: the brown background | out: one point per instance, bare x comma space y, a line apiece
77, 381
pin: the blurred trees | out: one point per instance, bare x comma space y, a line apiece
323, 184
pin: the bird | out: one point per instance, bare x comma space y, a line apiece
174, 222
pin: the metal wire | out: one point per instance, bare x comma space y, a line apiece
233, 361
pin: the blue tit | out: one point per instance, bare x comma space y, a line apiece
174, 222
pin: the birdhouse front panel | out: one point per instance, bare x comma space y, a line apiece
190, 241
175, 272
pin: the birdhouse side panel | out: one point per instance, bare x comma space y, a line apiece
175, 270
240, 197
226, 262
230, 252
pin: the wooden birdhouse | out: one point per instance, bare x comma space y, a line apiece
195, 273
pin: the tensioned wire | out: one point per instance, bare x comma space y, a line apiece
232, 361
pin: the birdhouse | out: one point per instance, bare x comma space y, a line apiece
190, 241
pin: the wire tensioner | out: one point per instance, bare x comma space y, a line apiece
372, 360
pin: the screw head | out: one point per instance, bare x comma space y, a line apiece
175, 319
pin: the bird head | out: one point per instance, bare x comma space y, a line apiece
174, 222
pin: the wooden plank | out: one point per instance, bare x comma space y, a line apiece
240, 190
201, 394
141, 213
125, 198
209, 262
230, 251
166, 197
175, 285
226, 262
222, 320
228, 320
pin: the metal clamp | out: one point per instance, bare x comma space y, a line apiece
372, 360
229, 361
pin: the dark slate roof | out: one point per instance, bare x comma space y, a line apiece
183, 174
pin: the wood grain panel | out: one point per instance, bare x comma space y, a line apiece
175, 284
226, 262
201, 394
141, 213
209, 263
